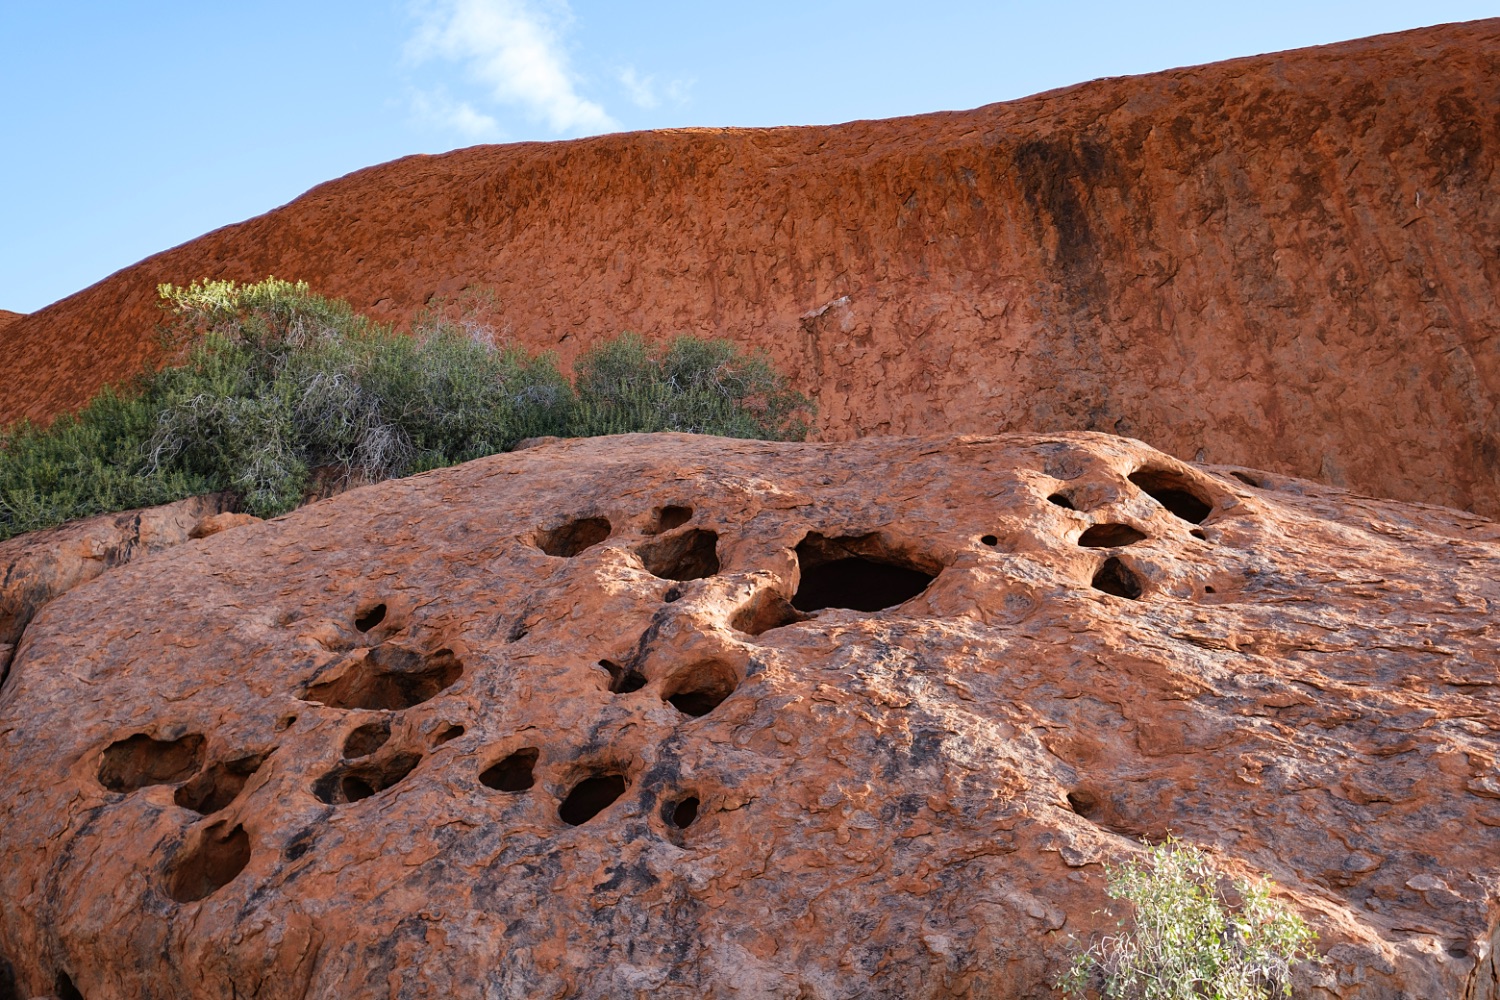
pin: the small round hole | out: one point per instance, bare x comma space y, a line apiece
515, 773
685, 812
1061, 500
990, 540
368, 619
1209, 590
590, 797
672, 595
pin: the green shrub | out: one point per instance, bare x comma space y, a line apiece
274, 383
1187, 942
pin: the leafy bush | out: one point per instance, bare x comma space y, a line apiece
274, 384
1187, 941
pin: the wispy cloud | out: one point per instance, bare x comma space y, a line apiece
644, 92
436, 108
514, 49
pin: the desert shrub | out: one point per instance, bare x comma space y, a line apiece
689, 384
1185, 940
272, 383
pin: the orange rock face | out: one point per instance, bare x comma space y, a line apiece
7, 317
684, 717
1287, 261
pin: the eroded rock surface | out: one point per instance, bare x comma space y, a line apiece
684, 717
1286, 261
37, 567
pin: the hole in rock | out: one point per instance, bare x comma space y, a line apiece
390, 679
669, 517
1061, 500
691, 555
65, 990
138, 761
518, 631
1109, 536
989, 540
368, 619
1209, 590
570, 539
446, 733
1198, 534
210, 864
1175, 492
621, 680
218, 786
360, 781
700, 688
685, 812
285, 722
1114, 577
515, 773
590, 797
1458, 950
766, 610
672, 596
1083, 802
860, 573
1248, 480
366, 739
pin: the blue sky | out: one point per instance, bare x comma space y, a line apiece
131, 127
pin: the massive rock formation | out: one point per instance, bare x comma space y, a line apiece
677, 717
1287, 261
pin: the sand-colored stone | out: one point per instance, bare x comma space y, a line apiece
1285, 261
265, 763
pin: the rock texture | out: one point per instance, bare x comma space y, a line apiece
7, 317
677, 717
1287, 261
38, 567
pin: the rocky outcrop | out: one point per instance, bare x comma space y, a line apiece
684, 717
37, 567
1286, 261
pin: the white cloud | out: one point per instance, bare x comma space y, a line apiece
639, 90
644, 92
437, 109
513, 48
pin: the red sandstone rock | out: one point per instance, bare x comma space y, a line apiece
7, 317
37, 567
1286, 261
569, 723
215, 523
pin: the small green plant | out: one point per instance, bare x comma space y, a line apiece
274, 387
1186, 940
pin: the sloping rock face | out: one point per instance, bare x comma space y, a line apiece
37, 567
1286, 261
7, 317
690, 717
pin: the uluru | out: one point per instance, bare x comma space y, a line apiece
1283, 261
1147, 504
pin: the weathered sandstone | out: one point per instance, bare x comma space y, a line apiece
546, 725
1287, 261
7, 317
38, 567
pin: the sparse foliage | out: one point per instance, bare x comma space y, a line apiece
273, 383
1193, 934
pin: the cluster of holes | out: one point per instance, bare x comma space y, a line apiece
1175, 491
